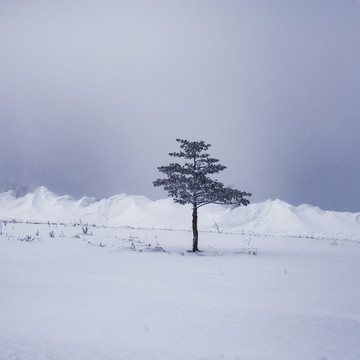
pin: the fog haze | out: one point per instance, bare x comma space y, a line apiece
93, 95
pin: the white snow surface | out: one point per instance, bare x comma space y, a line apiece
273, 281
272, 217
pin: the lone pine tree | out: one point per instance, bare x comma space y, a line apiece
190, 183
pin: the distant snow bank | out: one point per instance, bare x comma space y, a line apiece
272, 217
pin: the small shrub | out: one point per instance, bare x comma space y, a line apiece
84, 227
27, 238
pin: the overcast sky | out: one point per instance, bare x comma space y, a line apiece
93, 95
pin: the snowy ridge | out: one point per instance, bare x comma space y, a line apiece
271, 217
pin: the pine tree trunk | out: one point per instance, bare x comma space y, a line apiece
195, 230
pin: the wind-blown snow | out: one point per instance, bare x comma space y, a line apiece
269, 217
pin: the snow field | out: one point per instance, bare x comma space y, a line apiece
269, 217
112, 294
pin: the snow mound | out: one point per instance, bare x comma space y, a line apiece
272, 217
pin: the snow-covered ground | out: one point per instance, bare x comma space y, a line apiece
273, 281
269, 217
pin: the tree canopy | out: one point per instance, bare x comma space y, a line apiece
190, 182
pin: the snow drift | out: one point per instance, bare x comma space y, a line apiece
272, 217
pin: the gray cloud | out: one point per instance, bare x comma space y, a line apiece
94, 94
